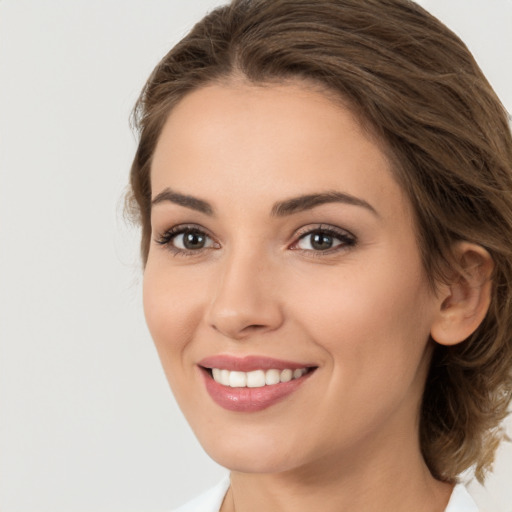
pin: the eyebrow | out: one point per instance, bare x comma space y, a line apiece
280, 209
183, 200
306, 202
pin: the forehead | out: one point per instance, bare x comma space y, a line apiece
268, 141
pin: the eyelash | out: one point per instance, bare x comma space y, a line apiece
346, 239
166, 239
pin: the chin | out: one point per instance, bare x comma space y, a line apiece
253, 461
255, 454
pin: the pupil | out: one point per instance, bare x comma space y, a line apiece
193, 240
321, 241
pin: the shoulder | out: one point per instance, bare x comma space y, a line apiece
210, 501
461, 501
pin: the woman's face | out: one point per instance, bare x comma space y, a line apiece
282, 248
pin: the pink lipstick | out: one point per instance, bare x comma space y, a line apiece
252, 383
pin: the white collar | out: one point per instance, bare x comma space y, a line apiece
461, 501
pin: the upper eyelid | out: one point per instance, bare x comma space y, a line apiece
181, 228
297, 232
312, 228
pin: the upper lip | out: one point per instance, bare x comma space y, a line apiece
249, 363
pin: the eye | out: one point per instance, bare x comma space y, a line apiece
186, 239
191, 240
324, 239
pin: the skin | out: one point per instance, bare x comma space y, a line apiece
362, 313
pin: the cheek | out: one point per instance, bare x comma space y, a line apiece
371, 320
172, 309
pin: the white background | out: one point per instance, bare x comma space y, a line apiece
86, 420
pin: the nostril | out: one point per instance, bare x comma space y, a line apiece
242, 317
253, 328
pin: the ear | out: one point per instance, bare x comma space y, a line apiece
463, 303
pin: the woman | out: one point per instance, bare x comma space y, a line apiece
325, 194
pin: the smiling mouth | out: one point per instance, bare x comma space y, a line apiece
252, 383
256, 378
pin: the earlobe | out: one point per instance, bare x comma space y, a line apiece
463, 303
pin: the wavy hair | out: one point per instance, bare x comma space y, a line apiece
416, 86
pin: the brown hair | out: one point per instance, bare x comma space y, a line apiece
418, 88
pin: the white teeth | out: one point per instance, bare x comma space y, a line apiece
224, 377
237, 379
256, 378
272, 377
286, 375
299, 373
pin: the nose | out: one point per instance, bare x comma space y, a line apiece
245, 300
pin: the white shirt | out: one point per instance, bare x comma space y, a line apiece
211, 500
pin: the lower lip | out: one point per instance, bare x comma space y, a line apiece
250, 399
